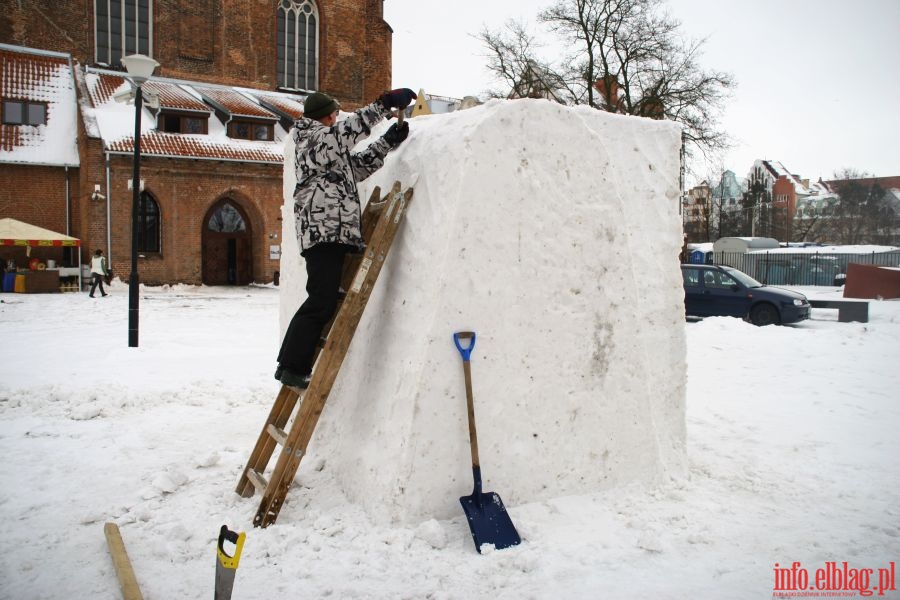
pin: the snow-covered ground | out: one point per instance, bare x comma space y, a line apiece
792, 447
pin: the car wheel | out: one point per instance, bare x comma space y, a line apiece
764, 314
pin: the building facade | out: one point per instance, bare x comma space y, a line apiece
232, 77
713, 211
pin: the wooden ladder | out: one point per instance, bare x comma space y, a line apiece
380, 221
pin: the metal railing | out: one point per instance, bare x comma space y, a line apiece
801, 268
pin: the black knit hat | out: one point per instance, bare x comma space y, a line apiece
319, 105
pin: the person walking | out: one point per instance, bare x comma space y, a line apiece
327, 210
98, 272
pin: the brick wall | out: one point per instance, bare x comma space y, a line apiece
220, 41
230, 42
35, 195
379, 51
50, 25
186, 191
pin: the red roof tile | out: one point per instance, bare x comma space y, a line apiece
28, 76
105, 87
175, 97
179, 95
198, 146
39, 76
294, 108
235, 103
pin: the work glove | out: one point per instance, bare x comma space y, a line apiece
399, 98
396, 133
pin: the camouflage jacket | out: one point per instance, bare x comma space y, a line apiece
326, 202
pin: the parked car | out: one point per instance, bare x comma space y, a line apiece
719, 291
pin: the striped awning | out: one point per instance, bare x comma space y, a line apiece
17, 233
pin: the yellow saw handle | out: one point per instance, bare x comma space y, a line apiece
230, 562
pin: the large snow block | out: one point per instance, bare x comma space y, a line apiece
554, 234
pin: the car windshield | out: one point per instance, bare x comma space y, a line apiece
745, 279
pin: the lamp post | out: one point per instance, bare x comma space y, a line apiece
140, 68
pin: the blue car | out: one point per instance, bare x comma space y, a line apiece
718, 291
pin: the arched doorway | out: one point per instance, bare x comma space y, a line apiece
226, 245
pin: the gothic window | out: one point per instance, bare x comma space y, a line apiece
121, 28
148, 224
298, 44
226, 219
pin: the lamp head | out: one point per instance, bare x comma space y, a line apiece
140, 67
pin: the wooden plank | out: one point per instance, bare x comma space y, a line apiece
127, 580
258, 481
277, 434
332, 358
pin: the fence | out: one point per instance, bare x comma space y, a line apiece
801, 268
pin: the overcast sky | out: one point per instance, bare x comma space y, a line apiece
818, 86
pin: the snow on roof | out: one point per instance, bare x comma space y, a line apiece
200, 147
47, 78
234, 103
818, 199
859, 249
115, 120
818, 188
175, 97
289, 105
779, 170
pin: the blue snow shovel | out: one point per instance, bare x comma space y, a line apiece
488, 519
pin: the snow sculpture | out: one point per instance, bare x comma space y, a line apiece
552, 232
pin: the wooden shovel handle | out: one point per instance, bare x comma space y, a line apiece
466, 352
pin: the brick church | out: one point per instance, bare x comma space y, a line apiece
232, 77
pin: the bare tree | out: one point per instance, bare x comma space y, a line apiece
808, 227
512, 57
628, 57
859, 213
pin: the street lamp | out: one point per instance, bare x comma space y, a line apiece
140, 68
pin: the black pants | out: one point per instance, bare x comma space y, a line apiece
97, 279
324, 265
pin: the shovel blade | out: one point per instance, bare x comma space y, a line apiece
489, 521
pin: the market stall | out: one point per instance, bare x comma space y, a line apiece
41, 275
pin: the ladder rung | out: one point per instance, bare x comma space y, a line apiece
258, 481
279, 435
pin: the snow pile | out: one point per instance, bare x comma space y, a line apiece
553, 233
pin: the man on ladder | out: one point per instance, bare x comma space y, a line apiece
327, 212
